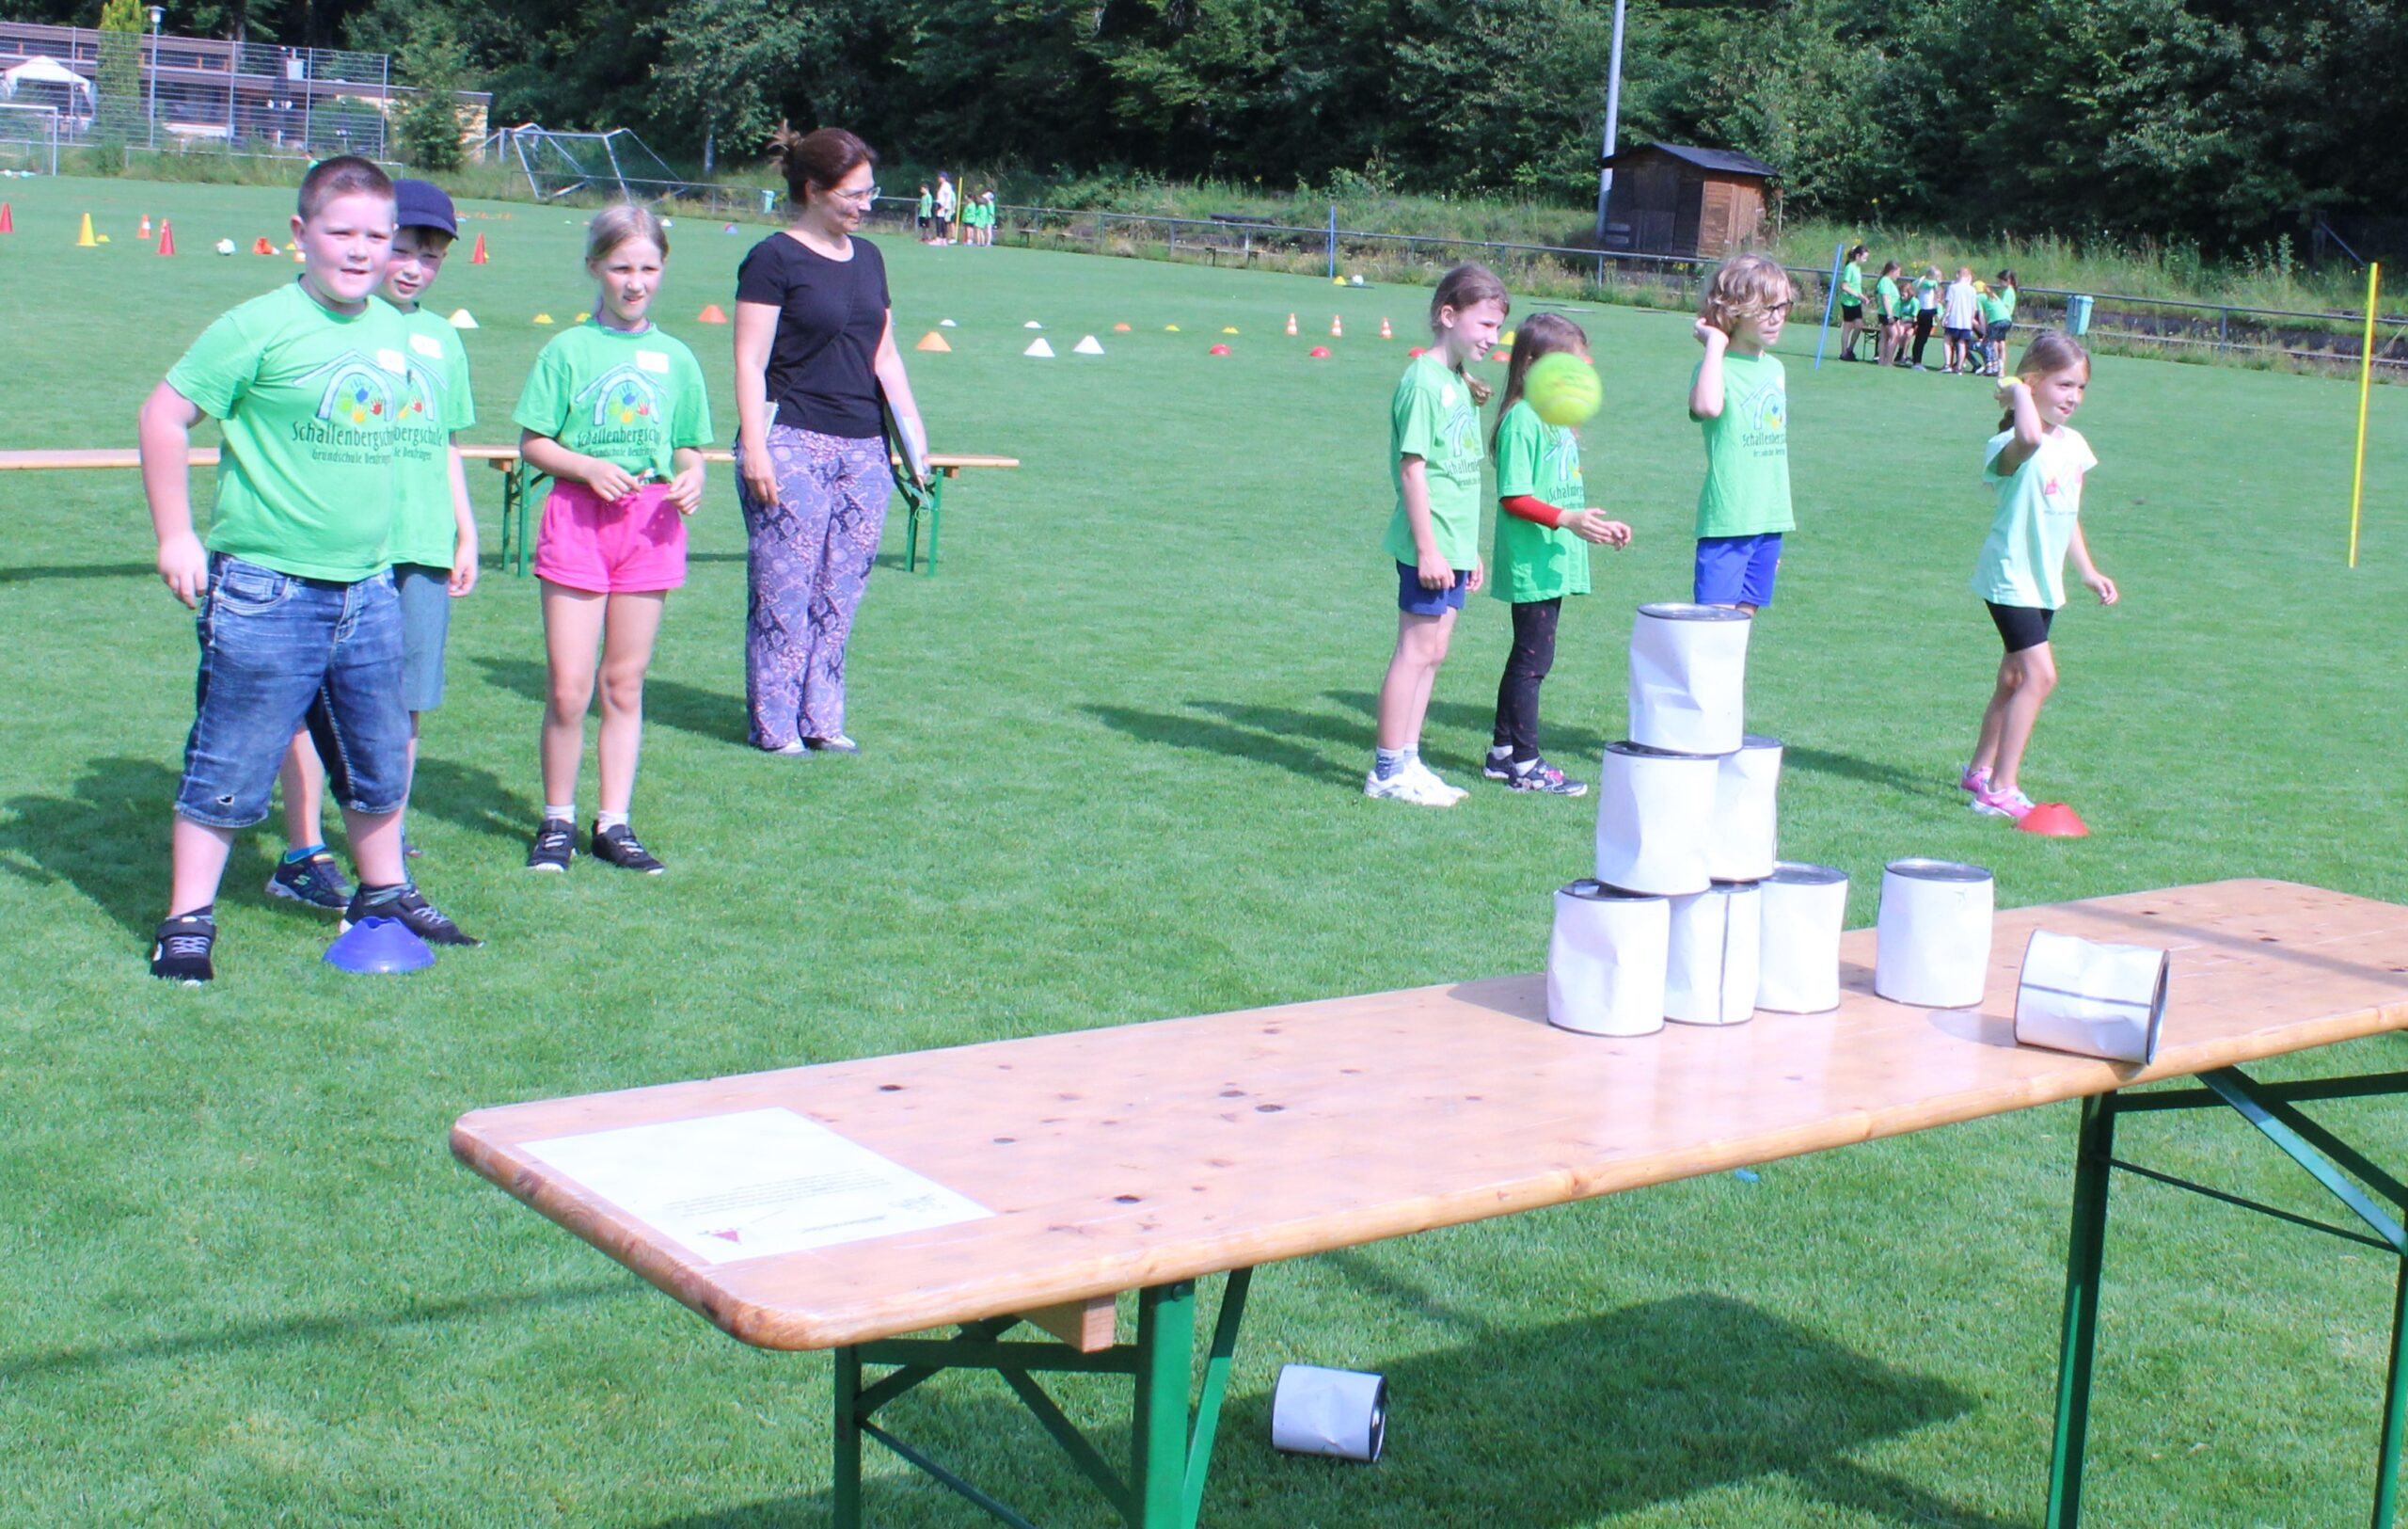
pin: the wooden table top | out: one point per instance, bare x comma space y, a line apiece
203, 456
1144, 1154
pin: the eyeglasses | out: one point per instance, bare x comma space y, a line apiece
1779, 307
860, 198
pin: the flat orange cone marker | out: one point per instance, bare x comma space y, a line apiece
260, 246
711, 314
1337, 330
8, 224
1117, 328
166, 238
144, 231
932, 340
2055, 820
1386, 333
84, 239
1319, 353
1418, 350
1218, 350
1291, 324
1500, 354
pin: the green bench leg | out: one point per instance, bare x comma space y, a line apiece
911, 523
2085, 1256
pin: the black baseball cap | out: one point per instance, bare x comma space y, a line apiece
423, 204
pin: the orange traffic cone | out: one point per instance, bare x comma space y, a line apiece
1291, 324
1386, 333
2055, 820
712, 314
260, 246
477, 256
932, 340
1337, 330
8, 224
166, 238
144, 231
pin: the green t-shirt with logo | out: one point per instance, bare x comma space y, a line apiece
1886, 291
1534, 562
633, 400
1747, 451
2023, 558
1431, 417
1852, 282
435, 404
308, 398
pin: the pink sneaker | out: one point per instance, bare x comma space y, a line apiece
1976, 781
2012, 805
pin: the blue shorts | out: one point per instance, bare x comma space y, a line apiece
1414, 600
276, 651
1737, 570
426, 621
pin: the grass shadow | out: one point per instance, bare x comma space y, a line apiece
1650, 1405
1848, 767
30, 573
470, 797
1561, 742
690, 709
108, 837
1259, 735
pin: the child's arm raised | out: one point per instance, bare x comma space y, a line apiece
164, 430
1706, 393
2016, 399
463, 529
2097, 583
1430, 565
609, 480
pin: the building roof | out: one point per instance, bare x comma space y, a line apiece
1725, 161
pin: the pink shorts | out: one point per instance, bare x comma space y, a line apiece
630, 545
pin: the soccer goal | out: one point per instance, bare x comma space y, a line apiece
28, 139
558, 166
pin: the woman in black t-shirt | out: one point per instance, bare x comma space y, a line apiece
814, 349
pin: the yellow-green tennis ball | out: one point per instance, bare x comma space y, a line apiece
1562, 388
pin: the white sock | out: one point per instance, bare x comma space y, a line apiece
608, 819
563, 811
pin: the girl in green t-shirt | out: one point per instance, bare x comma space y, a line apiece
1544, 532
1433, 533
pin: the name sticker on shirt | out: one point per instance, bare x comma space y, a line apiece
392, 360
654, 360
426, 345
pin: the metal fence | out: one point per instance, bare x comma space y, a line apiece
2119, 322
28, 139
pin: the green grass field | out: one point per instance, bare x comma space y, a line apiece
1115, 751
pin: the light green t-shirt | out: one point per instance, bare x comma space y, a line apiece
629, 399
1886, 290
1542, 460
1431, 417
308, 398
1993, 309
2023, 559
1746, 452
435, 404
2007, 304
927, 204
1852, 282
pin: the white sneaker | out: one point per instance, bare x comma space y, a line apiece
1422, 790
1430, 781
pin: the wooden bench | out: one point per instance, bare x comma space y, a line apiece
516, 538
1150, 1156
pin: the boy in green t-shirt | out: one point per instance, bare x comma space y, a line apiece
1739, 395
298, 620
927, 211
1544, 530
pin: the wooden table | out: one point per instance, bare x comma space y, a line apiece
520, 480
1147, 1156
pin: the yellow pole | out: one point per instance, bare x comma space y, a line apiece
2365, 375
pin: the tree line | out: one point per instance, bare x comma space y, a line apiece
2216, 121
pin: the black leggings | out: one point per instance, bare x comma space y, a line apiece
1923, 330
1517, 693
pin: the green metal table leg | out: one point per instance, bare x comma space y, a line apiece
2079, 1342
2395, 1411
936, 515
910, 536
845, 1494
1166, 1363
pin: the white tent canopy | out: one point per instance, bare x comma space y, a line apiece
44, 70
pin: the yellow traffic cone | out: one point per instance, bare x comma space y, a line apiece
84, 239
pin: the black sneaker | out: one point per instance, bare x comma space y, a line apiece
180, 950
617, 845
554, 845
1539, 775
410, 906
317, 881
1498, 765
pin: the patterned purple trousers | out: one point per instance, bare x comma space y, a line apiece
808, 561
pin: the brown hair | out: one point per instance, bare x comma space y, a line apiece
345, 175
2050, 350
819, 158
1541, 334
1743, 287
1466, 286
618, 223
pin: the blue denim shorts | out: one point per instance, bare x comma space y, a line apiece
278, 651
1414, 600
1737, 570
426, 621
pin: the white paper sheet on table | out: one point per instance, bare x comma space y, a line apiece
753, 1184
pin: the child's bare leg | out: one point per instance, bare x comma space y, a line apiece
2036, 675
571, 628
303, 777
626, 653
376, 846
1994, 715
1404, 692
200, 855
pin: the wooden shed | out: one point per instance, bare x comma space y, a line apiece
1671, 199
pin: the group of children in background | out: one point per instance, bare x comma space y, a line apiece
342, 532
1739, 395
934, 218
1974, 317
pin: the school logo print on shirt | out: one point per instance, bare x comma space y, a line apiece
359, 401
625, 408
1764, 419
1462, 430
418, 422
1559, 458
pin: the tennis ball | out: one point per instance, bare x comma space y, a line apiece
1562, 388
